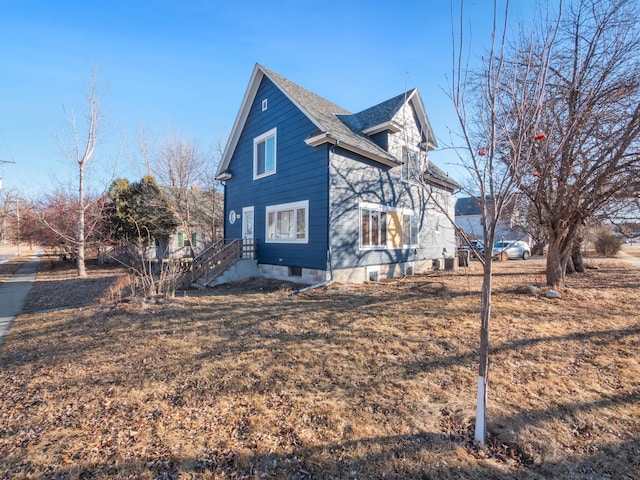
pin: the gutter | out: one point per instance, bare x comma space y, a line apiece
326, 137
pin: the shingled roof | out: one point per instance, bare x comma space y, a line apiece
334, 124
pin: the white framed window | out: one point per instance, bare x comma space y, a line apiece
383, 227
411, 168
264, 154
288, 223
264, 104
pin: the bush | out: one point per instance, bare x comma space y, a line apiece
607, 243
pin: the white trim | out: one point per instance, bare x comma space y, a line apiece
264, 104
417, 103
372, 269
386, 208
389, 125
241, 118
295, 206
245, 212
260, 139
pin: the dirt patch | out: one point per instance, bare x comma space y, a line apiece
349, 381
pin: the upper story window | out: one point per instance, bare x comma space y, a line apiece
264, 154
411, 170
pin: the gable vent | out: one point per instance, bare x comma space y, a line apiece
264, 104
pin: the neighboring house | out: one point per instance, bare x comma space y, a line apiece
469, 219
328, 194
205, 220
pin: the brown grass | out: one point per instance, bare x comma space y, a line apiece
372, 381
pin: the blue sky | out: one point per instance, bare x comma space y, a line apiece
182, 67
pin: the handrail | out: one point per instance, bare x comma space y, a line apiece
214, 260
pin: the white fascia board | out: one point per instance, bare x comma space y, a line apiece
243, 113
319, 139
416, 101
295, 102
224, 176
241, 118
390, 125
325, 137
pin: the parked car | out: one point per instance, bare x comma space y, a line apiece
478, 247
512, 249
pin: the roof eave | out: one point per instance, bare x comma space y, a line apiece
390, 126
326, 137
450, 185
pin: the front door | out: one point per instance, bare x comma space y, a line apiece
247, 232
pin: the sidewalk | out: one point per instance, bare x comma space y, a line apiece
633, 260
13, 293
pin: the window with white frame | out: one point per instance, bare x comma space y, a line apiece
387, 227
264, 154
288, 223
410, 165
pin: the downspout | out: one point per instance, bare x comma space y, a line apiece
224, 210
328, 282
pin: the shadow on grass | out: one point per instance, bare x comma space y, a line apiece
396, 456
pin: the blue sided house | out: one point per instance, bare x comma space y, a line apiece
326, 194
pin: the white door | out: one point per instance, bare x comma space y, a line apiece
247, 232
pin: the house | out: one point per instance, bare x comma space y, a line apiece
202, 210
332, 195
510, 226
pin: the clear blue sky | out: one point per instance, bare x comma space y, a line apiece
183, 66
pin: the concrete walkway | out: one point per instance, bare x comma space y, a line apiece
633, 260
13, 293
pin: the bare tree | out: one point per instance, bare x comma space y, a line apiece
80, 149
582, 152
478, 97
51, 222
185, 170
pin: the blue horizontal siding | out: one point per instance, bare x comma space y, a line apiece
301, 174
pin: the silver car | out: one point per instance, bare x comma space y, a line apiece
512, 249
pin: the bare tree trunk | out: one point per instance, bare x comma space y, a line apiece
576, 256
82, 271
556, 267
483, 368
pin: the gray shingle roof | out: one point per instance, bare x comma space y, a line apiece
383, 112
339, 126
329, 115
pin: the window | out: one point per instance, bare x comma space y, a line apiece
264, 104
410, 165
288, 223
295, 271
264, 154
180, 239
387, 227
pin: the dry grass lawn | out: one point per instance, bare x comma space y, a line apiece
371, 381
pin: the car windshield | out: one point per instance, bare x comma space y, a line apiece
501, 244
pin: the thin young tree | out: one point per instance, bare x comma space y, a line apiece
80, 149
478, 95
